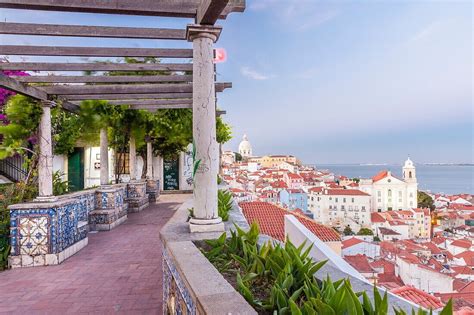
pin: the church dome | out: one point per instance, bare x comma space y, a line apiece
245, 148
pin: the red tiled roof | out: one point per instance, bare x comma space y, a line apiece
380, 175
386, 231
346, 192
418, 296
351, 242
359, 262
270, 219
462, 243
468, 257
376, 217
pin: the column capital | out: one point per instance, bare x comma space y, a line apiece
194, 31
47, 103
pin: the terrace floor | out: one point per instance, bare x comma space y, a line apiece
119, 271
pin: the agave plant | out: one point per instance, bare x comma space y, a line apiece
224, 203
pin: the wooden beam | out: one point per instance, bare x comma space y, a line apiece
95, 66
126, 88
20, 50
148, 102
209, 11
182, 8
155, 107
103, 79
18, 87
90, 31
148, 96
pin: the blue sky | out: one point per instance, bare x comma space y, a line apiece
332, 81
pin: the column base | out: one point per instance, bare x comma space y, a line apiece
206, 225
22, 261
46, 199
106, 220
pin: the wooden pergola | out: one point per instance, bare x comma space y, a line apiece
182, 84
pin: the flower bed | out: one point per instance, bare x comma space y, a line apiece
281, 278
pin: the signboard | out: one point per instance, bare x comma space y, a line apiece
171, 174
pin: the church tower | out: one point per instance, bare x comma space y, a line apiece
409, 171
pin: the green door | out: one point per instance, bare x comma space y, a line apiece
171, 174
75, 169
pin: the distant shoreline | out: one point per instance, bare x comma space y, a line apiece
390, 164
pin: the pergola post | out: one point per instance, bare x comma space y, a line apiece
104, 157
133, 159
45, 160
149, 160
206, 218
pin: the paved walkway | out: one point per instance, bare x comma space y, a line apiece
119, 271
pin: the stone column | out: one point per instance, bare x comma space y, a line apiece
206, 217
133, 159
104, 157
149, 160
45, 159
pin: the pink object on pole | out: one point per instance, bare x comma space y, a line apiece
221, 55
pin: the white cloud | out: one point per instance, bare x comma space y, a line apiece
253, 74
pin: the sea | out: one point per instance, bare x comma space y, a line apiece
435, 178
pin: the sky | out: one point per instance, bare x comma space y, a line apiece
330, 81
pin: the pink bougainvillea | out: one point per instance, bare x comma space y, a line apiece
4, 93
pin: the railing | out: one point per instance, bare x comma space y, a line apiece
12, 168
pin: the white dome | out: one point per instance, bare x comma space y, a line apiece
245, 148
408, 163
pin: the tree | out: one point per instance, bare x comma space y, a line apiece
238, 157
425, 201
365, 231
348, 231
376, 238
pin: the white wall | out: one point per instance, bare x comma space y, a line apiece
298, 234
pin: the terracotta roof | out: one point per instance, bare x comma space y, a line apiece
468, 257
462, 243
360, 263
271, 220
386, 231
376, 217
380, 175
418, 296
346, 192
351, 242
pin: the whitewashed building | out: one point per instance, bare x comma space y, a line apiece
335, 205
390, 193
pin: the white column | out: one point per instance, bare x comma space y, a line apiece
149, 160
45, 159
104, 157
204, 130
133, 159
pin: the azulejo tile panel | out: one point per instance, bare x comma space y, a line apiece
33, 235
176, 296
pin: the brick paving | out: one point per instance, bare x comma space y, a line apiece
118, 272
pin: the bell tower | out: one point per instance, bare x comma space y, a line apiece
409, 171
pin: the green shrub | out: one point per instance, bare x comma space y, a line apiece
224, 203
60, 187
280, 279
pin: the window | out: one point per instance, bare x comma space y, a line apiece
356, 208
379, 193
352, 200
330, 207
342, 208
337, 199
122, 163
344, 200
390, 193
363, 208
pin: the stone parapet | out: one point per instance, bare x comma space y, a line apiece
153, 189
110, 208
137, 197
46, 233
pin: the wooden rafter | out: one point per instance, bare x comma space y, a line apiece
148, 96
91, 31
95, 66
103, 79
148, 102
209, 11
20, 50
171, 8
126, 89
